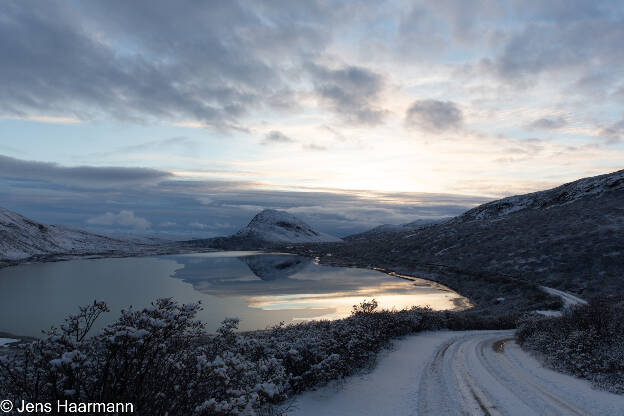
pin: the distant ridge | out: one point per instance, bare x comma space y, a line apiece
22, 239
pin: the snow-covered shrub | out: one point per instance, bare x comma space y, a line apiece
146, 357
586, 341
161, 360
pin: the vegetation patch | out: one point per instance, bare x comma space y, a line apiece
161, 360
586, 341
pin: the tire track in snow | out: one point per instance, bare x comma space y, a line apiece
460, 373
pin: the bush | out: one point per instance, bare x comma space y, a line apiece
586, 341
161, 360
146, 358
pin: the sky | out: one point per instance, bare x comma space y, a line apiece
186, 118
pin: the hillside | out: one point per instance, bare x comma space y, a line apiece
22, 239
570, 237
389, 229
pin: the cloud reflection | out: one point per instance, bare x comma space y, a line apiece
288, 282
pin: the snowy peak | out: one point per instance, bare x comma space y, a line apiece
562, 195
281, 227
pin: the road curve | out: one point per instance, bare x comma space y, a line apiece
460, 373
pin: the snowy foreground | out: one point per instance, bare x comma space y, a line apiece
459, 373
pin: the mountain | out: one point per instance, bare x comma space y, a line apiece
570, 237
22, 238
385, 230
269, 229
569, 193
281, 227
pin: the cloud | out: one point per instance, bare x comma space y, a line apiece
276, 137
315, 147
434, 116
124, 218
613, 133
88, 176
548, 123
350, 92
184, 145
198, 225
562, 36
91, 61
175, 205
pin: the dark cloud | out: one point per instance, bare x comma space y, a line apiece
548, 123
86, 176
434, 116
276, 137
562, 36
185, 209
351, 92
228, 59
135, 61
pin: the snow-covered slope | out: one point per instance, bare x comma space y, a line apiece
281, 227
570, 238
561, 195
21, 238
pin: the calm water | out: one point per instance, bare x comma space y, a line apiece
260, 289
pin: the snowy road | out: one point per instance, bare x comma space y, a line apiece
459, 373
568, 299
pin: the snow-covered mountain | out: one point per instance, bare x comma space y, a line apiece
570, 237
562, 195
281, 227
22, 238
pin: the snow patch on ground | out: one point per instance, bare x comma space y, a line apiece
6, 341
567, 298
549, 313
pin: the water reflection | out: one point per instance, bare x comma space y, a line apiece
260, 289
288, 282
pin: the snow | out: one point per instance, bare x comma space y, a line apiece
282, 227
549, 313
567, 298
463, 372
22, 238
7, 341
561, 195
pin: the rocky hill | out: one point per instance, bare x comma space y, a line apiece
268, 229
281, 227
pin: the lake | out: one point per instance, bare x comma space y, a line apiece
261, 289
